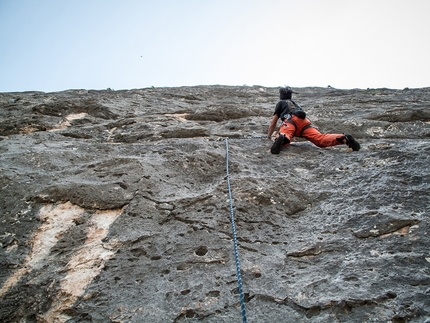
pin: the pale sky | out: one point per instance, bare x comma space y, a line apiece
55, 45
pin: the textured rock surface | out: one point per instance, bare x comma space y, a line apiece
114, 207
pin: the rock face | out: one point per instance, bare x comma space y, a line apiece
114, 207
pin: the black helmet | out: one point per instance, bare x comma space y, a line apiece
285, 92
286, 89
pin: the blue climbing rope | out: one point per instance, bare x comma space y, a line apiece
233, 229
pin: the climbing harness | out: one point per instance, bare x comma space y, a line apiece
233, 229
286, 121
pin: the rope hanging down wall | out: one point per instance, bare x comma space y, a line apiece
233, 229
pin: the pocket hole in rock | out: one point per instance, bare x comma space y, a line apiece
201, 251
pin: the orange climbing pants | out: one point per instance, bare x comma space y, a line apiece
296, 127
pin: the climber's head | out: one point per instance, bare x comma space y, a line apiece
285, 93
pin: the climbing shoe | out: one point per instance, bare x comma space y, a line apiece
276, 147
352, 143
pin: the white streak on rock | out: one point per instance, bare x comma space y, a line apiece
66, 122
56, 219
85, 264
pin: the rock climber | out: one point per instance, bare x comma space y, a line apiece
295, 124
